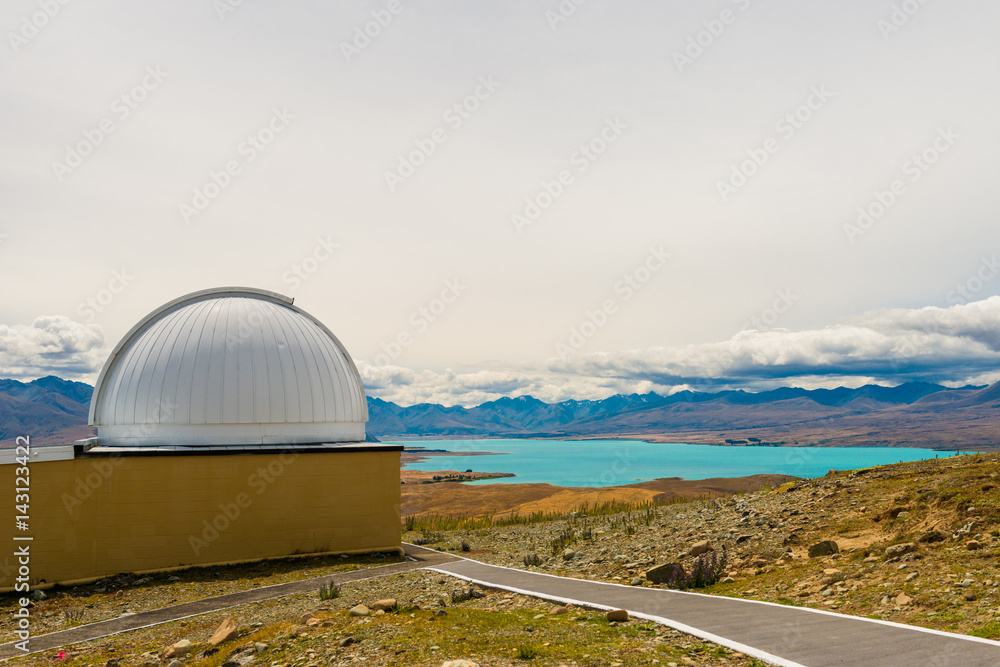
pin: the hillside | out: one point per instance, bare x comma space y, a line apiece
913, 414
916, 543
47, 409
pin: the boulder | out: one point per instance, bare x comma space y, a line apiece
903, 599
223, 633
178, 649
700, 547
459, 663
973, 545
665, 573
824, 548
617, 616
897, 550
359, 610
305, 618
384, 605
558, 610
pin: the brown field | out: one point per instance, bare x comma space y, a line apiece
452, 498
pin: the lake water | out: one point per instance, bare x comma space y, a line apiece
616, 462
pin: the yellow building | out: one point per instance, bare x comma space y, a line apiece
230, 427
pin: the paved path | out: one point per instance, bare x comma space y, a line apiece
91, 631
778, 634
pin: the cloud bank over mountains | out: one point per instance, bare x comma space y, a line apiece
954, 346
52, 345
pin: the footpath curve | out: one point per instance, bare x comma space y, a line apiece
778, 634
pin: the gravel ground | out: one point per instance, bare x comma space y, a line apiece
948, 584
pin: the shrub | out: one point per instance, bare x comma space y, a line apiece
466, 546
706, 570
533, 559
526, 653
564, 540
465, 594
428, 538
329, 591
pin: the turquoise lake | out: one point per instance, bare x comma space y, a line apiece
616, 462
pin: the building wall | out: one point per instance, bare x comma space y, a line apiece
97, 516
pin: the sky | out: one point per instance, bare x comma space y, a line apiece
564, 199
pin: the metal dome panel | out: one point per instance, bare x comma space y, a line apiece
231, 366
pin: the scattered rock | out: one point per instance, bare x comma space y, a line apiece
903, 599
728, 580
824, 548
346, 641
617, 616
897, 550
223, 633
973, 545
260, 647
700, 547
359, 610
384, 605
637, 581
175, 663
38, 595
178, 649
558, 610
664, 573
305, 618
459, 663
568, 554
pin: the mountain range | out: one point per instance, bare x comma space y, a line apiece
914, 414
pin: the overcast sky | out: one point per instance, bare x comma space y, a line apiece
535, 197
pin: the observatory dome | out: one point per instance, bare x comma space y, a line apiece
230, 366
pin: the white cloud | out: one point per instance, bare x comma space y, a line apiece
956, 346
52, 345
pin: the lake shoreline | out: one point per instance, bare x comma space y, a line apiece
712, 440
604, 463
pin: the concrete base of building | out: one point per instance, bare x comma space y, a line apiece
101, 513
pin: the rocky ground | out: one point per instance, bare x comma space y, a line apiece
913, 543
131, 594
434, 620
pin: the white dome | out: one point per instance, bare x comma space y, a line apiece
231, 366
